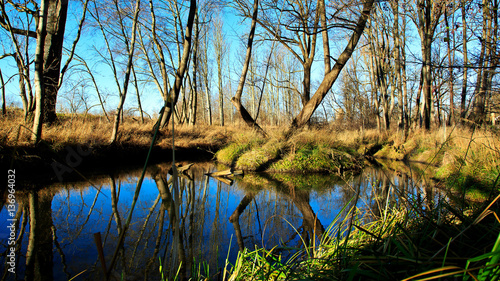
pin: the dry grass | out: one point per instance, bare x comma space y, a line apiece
96, 131
475, 153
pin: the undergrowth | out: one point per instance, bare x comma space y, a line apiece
419, 239
405, 243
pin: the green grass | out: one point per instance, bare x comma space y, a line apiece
231, 153
259, 157
383, 249
405, 242
316, 159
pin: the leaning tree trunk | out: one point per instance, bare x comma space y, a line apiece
236, 100
174, 91
330, 77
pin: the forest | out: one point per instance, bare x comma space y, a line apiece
365, 134
374, 64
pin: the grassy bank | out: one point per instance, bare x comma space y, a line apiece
407, 244
455, 239
76, 133
307, 151
467, 160
95, 131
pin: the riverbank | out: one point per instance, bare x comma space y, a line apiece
78, 145
459, 158
455, 157
457, 238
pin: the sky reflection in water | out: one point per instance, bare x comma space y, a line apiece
190, 224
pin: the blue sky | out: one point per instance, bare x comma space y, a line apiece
234, 28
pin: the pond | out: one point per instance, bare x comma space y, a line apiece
199, 220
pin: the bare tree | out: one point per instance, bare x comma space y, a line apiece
236, 100
193, 101
488, 60
220, 48
50, 20
130, 50
463, 94
89, 72
427, 17
295, 25
329, 79
183, 66
400, 66
381, 67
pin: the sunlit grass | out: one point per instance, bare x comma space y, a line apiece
419, 239
403, 244
95, 130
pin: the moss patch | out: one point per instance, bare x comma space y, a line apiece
259, 157
316, 159
230, 153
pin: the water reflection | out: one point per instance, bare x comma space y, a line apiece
196, 219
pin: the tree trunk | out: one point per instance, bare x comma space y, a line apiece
136, 86
451, 116
330, 78
193, 102
429, 13
2, 85
404, 80
123, 95
183, 65
27, 100
426, 71
306, 83
397, 62
39, 85
463, 95
324, 33
486, 59
56, 24
220, 53
236, 100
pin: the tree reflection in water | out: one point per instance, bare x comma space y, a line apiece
187, 223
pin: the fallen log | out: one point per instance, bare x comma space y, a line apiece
181, 168
224, 180
225, 173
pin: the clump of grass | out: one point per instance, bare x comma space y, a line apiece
407, 243
257, 158
319, 158
471, 163
229, 154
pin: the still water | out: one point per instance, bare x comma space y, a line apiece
198, 219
